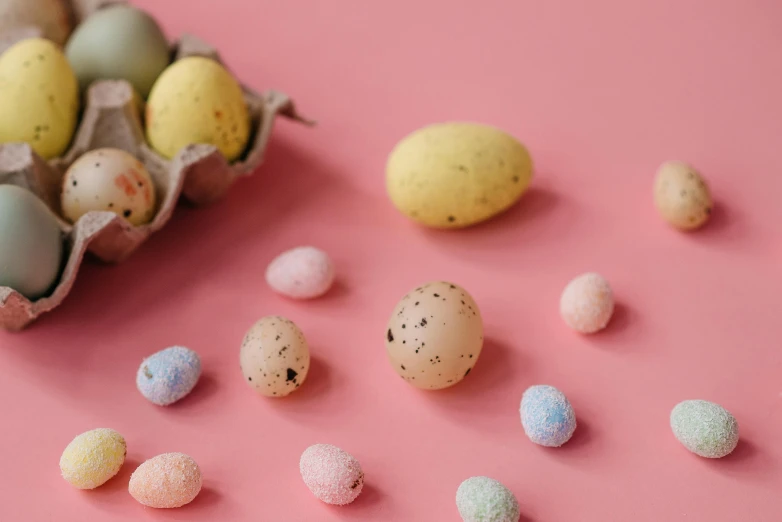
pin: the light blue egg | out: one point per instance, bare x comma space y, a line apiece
168, 375
547, 416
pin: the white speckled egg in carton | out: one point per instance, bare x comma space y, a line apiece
113, 118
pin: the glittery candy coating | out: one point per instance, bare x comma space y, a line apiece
170, 480
587, 303
92, 458
705, 428
301, 273
547, 416
482, 499
167, 376
333, 475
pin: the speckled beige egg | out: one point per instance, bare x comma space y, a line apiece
453, 175
435, 336
196, 100
274, 357
110, 180
51, 16
682, 196
39, 97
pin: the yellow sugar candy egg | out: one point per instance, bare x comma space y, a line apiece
92, 458
39, 97
196, 100
454, 175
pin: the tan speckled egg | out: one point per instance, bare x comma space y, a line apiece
109, 180
274, 357
435, 336
682, 196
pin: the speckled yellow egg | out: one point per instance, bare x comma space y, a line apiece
274, 357
39, 97
110, 180
51, 16
453, 175
435, 335
196, 100
92, 458
682, 196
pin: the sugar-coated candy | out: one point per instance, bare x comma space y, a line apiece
482, 499
168, 375
92, 458
705, 428
170, 480
547, 416
587, 303
333, 475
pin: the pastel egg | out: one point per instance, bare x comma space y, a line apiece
51, 16
109, 180
682, 196
435, 335
93, 458
482, 499
274, 357
31, 243
168, 375
587, 303
333, 475
301, 273
194, 101
705, 428
547, 416
39, 97
170, 480
453, 175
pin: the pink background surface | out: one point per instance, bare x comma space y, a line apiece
602, 92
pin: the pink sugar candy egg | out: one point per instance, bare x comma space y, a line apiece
170, 480
587, 303
333, 475
301, 273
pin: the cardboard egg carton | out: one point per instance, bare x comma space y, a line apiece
112, 118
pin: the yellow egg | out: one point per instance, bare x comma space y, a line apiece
92, 458
39, 97
196, 100
453, 175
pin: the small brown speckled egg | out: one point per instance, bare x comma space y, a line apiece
682, 196
435, 336
274, 357
109, 180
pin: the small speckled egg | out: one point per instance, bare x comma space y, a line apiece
682, 196
705, 428
109, 180
274, 357
31, 243
39, 97
482, 499
92, 458
119, 43
170, 480
51, 16
435, 335
587, 303
333, 475
453, 175
301, 273
196, 100
168, 375
547, 416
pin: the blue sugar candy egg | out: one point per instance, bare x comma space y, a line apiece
168, 375
547, 416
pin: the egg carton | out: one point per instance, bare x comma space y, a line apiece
112, 118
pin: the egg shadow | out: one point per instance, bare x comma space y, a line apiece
623, 324
579, 444
209, 500
113, 495
747, 460
206, 388
305, 404
725, 224
494, 367
366, 503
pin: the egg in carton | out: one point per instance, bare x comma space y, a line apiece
112, 118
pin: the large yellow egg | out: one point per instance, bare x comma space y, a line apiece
196, 100
453, 175
39, 97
